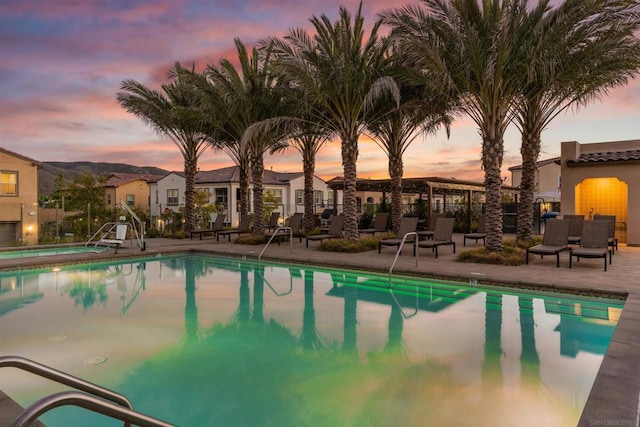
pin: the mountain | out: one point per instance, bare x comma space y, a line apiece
49, 171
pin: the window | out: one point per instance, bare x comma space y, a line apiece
131, 200
108, 199
299, 197
172, 197
157, 195
222, 197
330, 198
318, 197
8, 183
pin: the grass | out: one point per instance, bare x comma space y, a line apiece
346, 245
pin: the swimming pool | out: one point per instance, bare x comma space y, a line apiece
38, 252
199, 341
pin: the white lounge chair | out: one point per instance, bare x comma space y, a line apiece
121, 236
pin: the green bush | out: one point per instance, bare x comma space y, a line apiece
346, 245
249, 239
513, 253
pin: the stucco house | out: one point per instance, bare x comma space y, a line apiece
547, 179
603, 178
18, 199
131, 188
223, 185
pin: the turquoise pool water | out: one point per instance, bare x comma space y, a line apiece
25, 253
203, 341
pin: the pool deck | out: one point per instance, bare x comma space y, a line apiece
615, 396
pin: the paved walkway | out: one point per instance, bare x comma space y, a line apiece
614, 399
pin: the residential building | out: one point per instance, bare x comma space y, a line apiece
547, 180
603, 178
223, 185
18, 199
131, 188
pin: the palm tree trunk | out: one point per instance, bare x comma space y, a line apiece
309, 165
257, 168
243, 166
190, 171
530, 150
492, 152
396, 170
349, 158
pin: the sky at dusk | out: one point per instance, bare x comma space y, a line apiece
62, 62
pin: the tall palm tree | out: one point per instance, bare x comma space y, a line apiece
580, 50
252, 95
340, 71
396, 127
164, 112
474, 51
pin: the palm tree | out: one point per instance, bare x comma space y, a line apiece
164, 113
474, 52
339, 71
395, 128
581, 49
251, 95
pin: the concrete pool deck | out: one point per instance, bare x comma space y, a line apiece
614, 398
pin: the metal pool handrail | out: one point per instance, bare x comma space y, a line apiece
275, 233
89, 402
404, 239
50, 402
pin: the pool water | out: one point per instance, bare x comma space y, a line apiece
202, 341
14, 253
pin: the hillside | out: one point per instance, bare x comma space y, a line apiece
49, 171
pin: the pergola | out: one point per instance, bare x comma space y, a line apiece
429, 186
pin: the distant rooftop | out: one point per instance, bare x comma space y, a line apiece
539, 163
630, 156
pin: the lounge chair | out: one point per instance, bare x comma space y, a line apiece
273, 221
554, 241
335, 230
594, 242
295, 222
243, 227
218, 225
408, 224
575, 228
379, 224
613, 240
120, 237
480, 232
429, 232
442, 236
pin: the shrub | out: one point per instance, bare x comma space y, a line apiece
513, 253
346, 245
249, 239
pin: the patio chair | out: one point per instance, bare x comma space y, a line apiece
335, 230
379, 224
613, 240
408, 224
243, 227
218, 225
594, 242
428, 233
442, 236
295, 222
575, 228
273, 221
554, 241
480, 232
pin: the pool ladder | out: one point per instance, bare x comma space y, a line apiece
404, 239
278, 233
90, 396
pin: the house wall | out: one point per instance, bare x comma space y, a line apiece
579, 193
547, 178
19, 213
140, 191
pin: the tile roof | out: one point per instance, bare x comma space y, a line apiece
538, 163
232, 174
606, 157
120, 178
